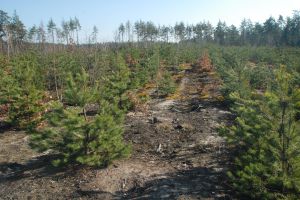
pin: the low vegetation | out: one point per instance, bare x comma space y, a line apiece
72, 99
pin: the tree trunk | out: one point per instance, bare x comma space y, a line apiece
87, 136
283, 139
56, 88
77, 37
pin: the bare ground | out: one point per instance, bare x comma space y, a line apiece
177, 154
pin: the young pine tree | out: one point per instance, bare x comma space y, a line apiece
76, 137
266, 134
20, 95
165, 83
116, 83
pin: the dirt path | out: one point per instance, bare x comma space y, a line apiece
177, 154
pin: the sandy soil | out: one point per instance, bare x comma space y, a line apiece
177, 154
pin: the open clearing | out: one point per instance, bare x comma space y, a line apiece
176, 154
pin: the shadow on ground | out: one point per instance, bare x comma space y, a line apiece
196, 183
35, 168
4, 126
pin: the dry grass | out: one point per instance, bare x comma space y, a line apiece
187, 127
177, 77
164, 127
204, 96
220, 98
139, 100
185, 66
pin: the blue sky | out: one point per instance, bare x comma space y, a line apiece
108, 14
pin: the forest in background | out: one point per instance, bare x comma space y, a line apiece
72, 98
14, 36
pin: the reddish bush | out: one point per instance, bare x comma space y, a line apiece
205, 63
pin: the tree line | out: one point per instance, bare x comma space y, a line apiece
273, 32
14, 36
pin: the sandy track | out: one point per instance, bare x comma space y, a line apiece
177, 154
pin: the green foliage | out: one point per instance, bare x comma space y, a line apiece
107, 144
116, 82
76, 137
27, 70
165, 84
153, 63
260, 76
138, 77
168, 53
266, 136
19, 93
24, 108
78, 92
266, 163
235, 78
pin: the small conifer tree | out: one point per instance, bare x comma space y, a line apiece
91, 140
21, 96
116, 83
266, 136
165, 83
